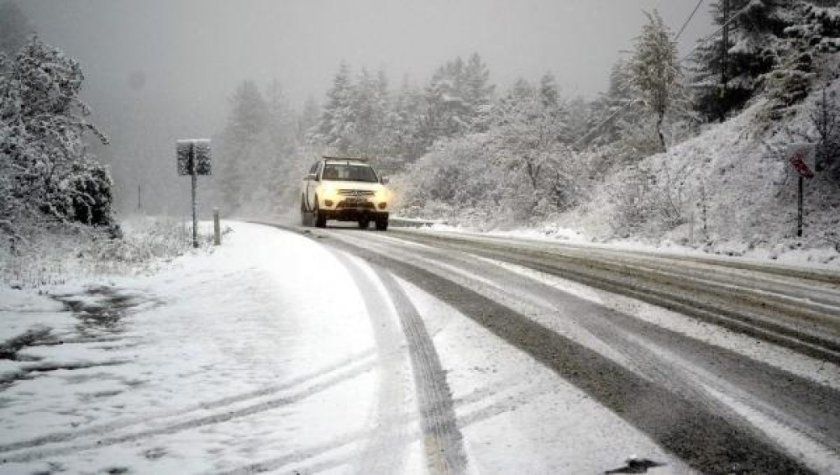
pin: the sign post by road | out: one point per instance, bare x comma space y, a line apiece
193, 159
799, 155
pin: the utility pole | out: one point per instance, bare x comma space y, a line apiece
140, 198
724, 59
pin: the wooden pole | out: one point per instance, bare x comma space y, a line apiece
217, 228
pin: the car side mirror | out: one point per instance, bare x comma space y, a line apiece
385, 180
312, 176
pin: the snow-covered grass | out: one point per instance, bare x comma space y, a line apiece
50, 257
213, 362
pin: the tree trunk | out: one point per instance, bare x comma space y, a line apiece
659, 122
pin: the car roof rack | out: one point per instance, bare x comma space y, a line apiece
346, 159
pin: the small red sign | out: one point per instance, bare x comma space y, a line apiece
798, 162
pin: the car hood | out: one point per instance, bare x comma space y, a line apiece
353, 185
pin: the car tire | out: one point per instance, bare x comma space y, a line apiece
382, 224
320, 216
364, 223
304, 215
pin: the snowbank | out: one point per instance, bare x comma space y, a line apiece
216, 361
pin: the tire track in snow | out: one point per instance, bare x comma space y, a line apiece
386, 451
57, 437
316, 458
346, 374
713, 303
792, 406
702, 438
442, 438
668, 358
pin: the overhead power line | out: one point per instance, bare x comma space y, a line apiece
690, 17
626, 106
717, 32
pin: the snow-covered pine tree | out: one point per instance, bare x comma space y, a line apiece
242, 141
654, 71
369, 107
478, 91
447, 111
753, 27
281, 119
825, 118
308, 119
276, 168
404, 125
456, 97
549, 94
801, 54
337, 124
47, 170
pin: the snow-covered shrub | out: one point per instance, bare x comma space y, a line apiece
85, 196
47, 173
515, 173
79, 251
790, 82
647, 201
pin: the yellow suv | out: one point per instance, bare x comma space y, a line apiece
345, 189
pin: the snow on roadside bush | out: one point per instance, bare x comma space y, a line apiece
516, 173
47, 175
728, 190
76, 251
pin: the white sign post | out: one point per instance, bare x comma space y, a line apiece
193, 159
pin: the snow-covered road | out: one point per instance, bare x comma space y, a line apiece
302, 350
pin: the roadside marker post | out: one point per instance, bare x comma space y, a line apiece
193, 158
799, 155
217, 228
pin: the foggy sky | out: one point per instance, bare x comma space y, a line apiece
161, 69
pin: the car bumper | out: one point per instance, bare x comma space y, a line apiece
354, 214
350, 207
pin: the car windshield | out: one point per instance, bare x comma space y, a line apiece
349, 172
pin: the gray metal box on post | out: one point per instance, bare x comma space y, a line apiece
193, 157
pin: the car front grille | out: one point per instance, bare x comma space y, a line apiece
345, 205
355, 192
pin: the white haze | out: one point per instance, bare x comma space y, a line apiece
158, 70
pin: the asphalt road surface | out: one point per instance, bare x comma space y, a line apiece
729, 366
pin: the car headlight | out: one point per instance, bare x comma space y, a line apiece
328, 192
381, 195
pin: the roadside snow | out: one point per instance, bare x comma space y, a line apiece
218, 362
814, 258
